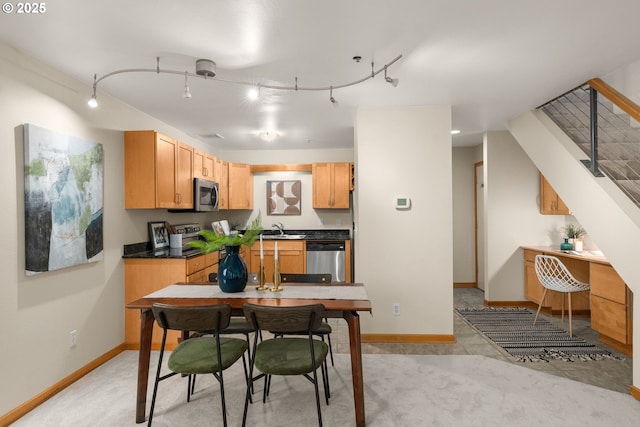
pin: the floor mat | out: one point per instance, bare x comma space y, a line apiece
513, 330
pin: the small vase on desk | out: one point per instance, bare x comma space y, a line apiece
566, 246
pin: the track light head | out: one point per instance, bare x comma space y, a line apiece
393, 82
253, 93
187, 91
331, 98
93, 102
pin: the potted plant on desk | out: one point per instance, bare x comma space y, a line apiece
232, 270
574, 233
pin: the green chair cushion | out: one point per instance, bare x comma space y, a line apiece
200, 356
288, 356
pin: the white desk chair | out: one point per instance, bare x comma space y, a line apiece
554, 275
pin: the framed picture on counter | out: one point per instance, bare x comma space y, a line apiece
158, 235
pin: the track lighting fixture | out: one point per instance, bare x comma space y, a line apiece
205, 69
393, 82
187, 91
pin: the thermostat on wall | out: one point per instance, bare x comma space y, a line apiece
403, 203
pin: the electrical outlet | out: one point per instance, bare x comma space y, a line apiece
73, 338
338, 221
396, 309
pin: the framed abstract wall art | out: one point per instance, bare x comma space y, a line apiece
63, 200
283, 197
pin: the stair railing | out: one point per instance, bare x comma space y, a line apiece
602, 127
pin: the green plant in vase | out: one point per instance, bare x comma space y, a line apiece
574, 234
232, 270
214, 241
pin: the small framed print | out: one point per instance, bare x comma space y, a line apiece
158, 235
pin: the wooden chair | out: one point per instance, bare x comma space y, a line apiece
199, 355
554, 275
287, 356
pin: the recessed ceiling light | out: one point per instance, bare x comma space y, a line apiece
454, 131
268, 136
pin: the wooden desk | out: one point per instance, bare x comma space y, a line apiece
609, 302
345, 308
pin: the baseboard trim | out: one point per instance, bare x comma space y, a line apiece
40, 398
525, 304
635, 392
613, 343
408, 339
465, 285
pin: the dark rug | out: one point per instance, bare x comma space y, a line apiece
513, 330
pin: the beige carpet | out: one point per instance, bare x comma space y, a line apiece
400, 390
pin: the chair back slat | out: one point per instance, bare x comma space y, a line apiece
285, 319
199, 318
306, 277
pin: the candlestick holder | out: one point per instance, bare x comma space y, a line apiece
261, 278
276, 278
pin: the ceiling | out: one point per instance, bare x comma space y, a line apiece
489, 59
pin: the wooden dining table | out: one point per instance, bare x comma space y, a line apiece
340, 301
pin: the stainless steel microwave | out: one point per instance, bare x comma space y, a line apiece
205, 195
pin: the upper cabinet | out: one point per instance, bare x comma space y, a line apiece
203, 165
240, 186
550, 202
332, 183
158, 171
221, 176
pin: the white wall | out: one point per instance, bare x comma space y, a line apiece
464, 261
512, 219
38, 312
405, 257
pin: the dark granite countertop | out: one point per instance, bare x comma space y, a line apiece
143, 249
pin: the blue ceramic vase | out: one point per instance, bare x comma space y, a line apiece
566, 246
232, 271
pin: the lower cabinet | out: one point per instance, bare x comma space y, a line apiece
611, 304
609, 301
143, 276
291, 257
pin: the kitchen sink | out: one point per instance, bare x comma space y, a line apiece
283, 236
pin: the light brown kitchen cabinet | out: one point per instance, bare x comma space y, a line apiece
611, 305
291, 257
240, 186
158, 171
221, 174
550, 202
203, 165
332, 183
143, 276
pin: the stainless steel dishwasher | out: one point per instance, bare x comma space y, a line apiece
326, 257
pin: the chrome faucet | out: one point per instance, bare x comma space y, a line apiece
279, 226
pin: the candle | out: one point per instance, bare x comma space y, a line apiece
261, 253
276, 251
